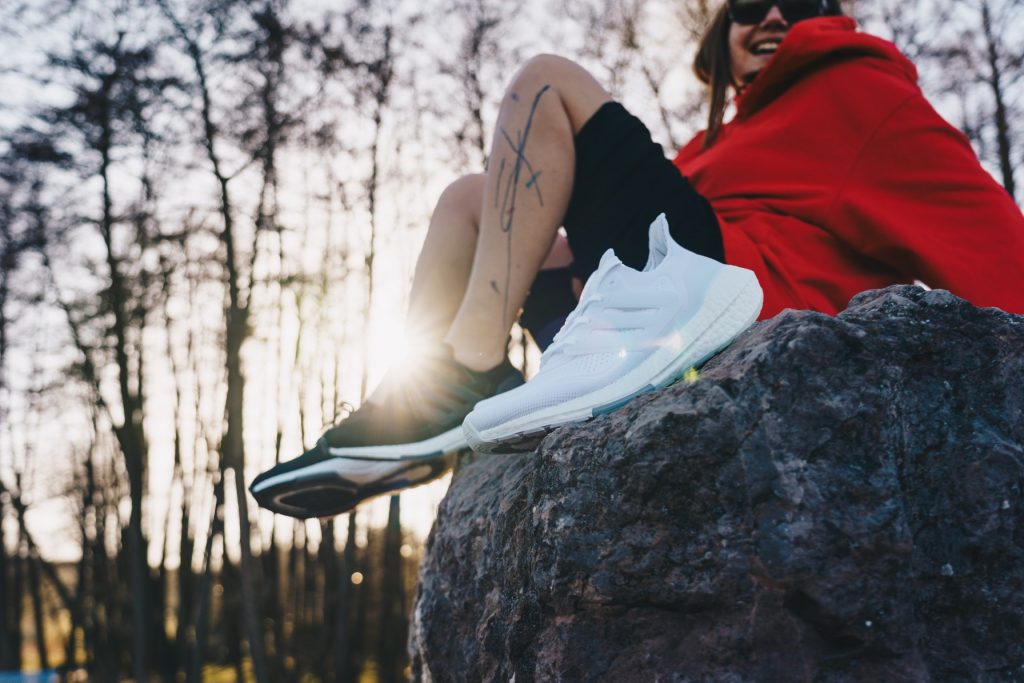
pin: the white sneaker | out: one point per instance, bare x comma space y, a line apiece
632, 332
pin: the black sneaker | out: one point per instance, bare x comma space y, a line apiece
407, 440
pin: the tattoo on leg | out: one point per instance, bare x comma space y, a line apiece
511, 184
521, 160
533, 181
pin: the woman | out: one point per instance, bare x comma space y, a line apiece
837, 176
834, 176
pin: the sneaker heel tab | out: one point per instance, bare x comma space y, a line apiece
663, 230
658, 240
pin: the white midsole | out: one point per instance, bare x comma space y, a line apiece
441, 444
735, 291
445, 442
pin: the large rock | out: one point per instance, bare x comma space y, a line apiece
832, 499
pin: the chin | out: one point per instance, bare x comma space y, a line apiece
747, 78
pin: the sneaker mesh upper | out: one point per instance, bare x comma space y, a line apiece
623, 317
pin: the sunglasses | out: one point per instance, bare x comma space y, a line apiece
749, 12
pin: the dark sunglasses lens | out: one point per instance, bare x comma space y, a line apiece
798, 10
754, 11
749, 11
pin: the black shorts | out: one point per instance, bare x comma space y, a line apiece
622, 182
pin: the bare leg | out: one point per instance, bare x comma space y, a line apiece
464, 237
442, 270
443, 266
528, 183
444, 263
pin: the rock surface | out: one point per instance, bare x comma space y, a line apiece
832, 499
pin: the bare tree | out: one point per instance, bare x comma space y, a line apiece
1003, 59
112, 87
267, 40
481, 68
967, 52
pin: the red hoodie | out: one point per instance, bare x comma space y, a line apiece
837, 176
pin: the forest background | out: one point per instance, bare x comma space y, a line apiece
209, 215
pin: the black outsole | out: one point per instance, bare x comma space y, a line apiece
327, 495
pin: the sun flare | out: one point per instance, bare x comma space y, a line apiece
394, 350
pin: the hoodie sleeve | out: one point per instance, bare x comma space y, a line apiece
917, 199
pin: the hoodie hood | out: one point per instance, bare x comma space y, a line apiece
807, 46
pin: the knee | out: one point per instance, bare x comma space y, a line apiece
465, 195
550, 70
547, 66
577, 89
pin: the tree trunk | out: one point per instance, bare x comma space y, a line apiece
7, 626
130, 435
392, 636
185, 595
18, 606
344, 669
107, 646
327, 569
81, 583
275, 599
291, 595
37, 608
202, 609
77, 620
371, 190
250, 607
995, 81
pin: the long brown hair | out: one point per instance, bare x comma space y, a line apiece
712, 66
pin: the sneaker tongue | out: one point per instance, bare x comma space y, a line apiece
608, 261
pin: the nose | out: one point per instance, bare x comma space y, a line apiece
774, 16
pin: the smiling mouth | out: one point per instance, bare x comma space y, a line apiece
763, 48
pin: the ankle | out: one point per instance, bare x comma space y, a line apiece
477, 341
476, 360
